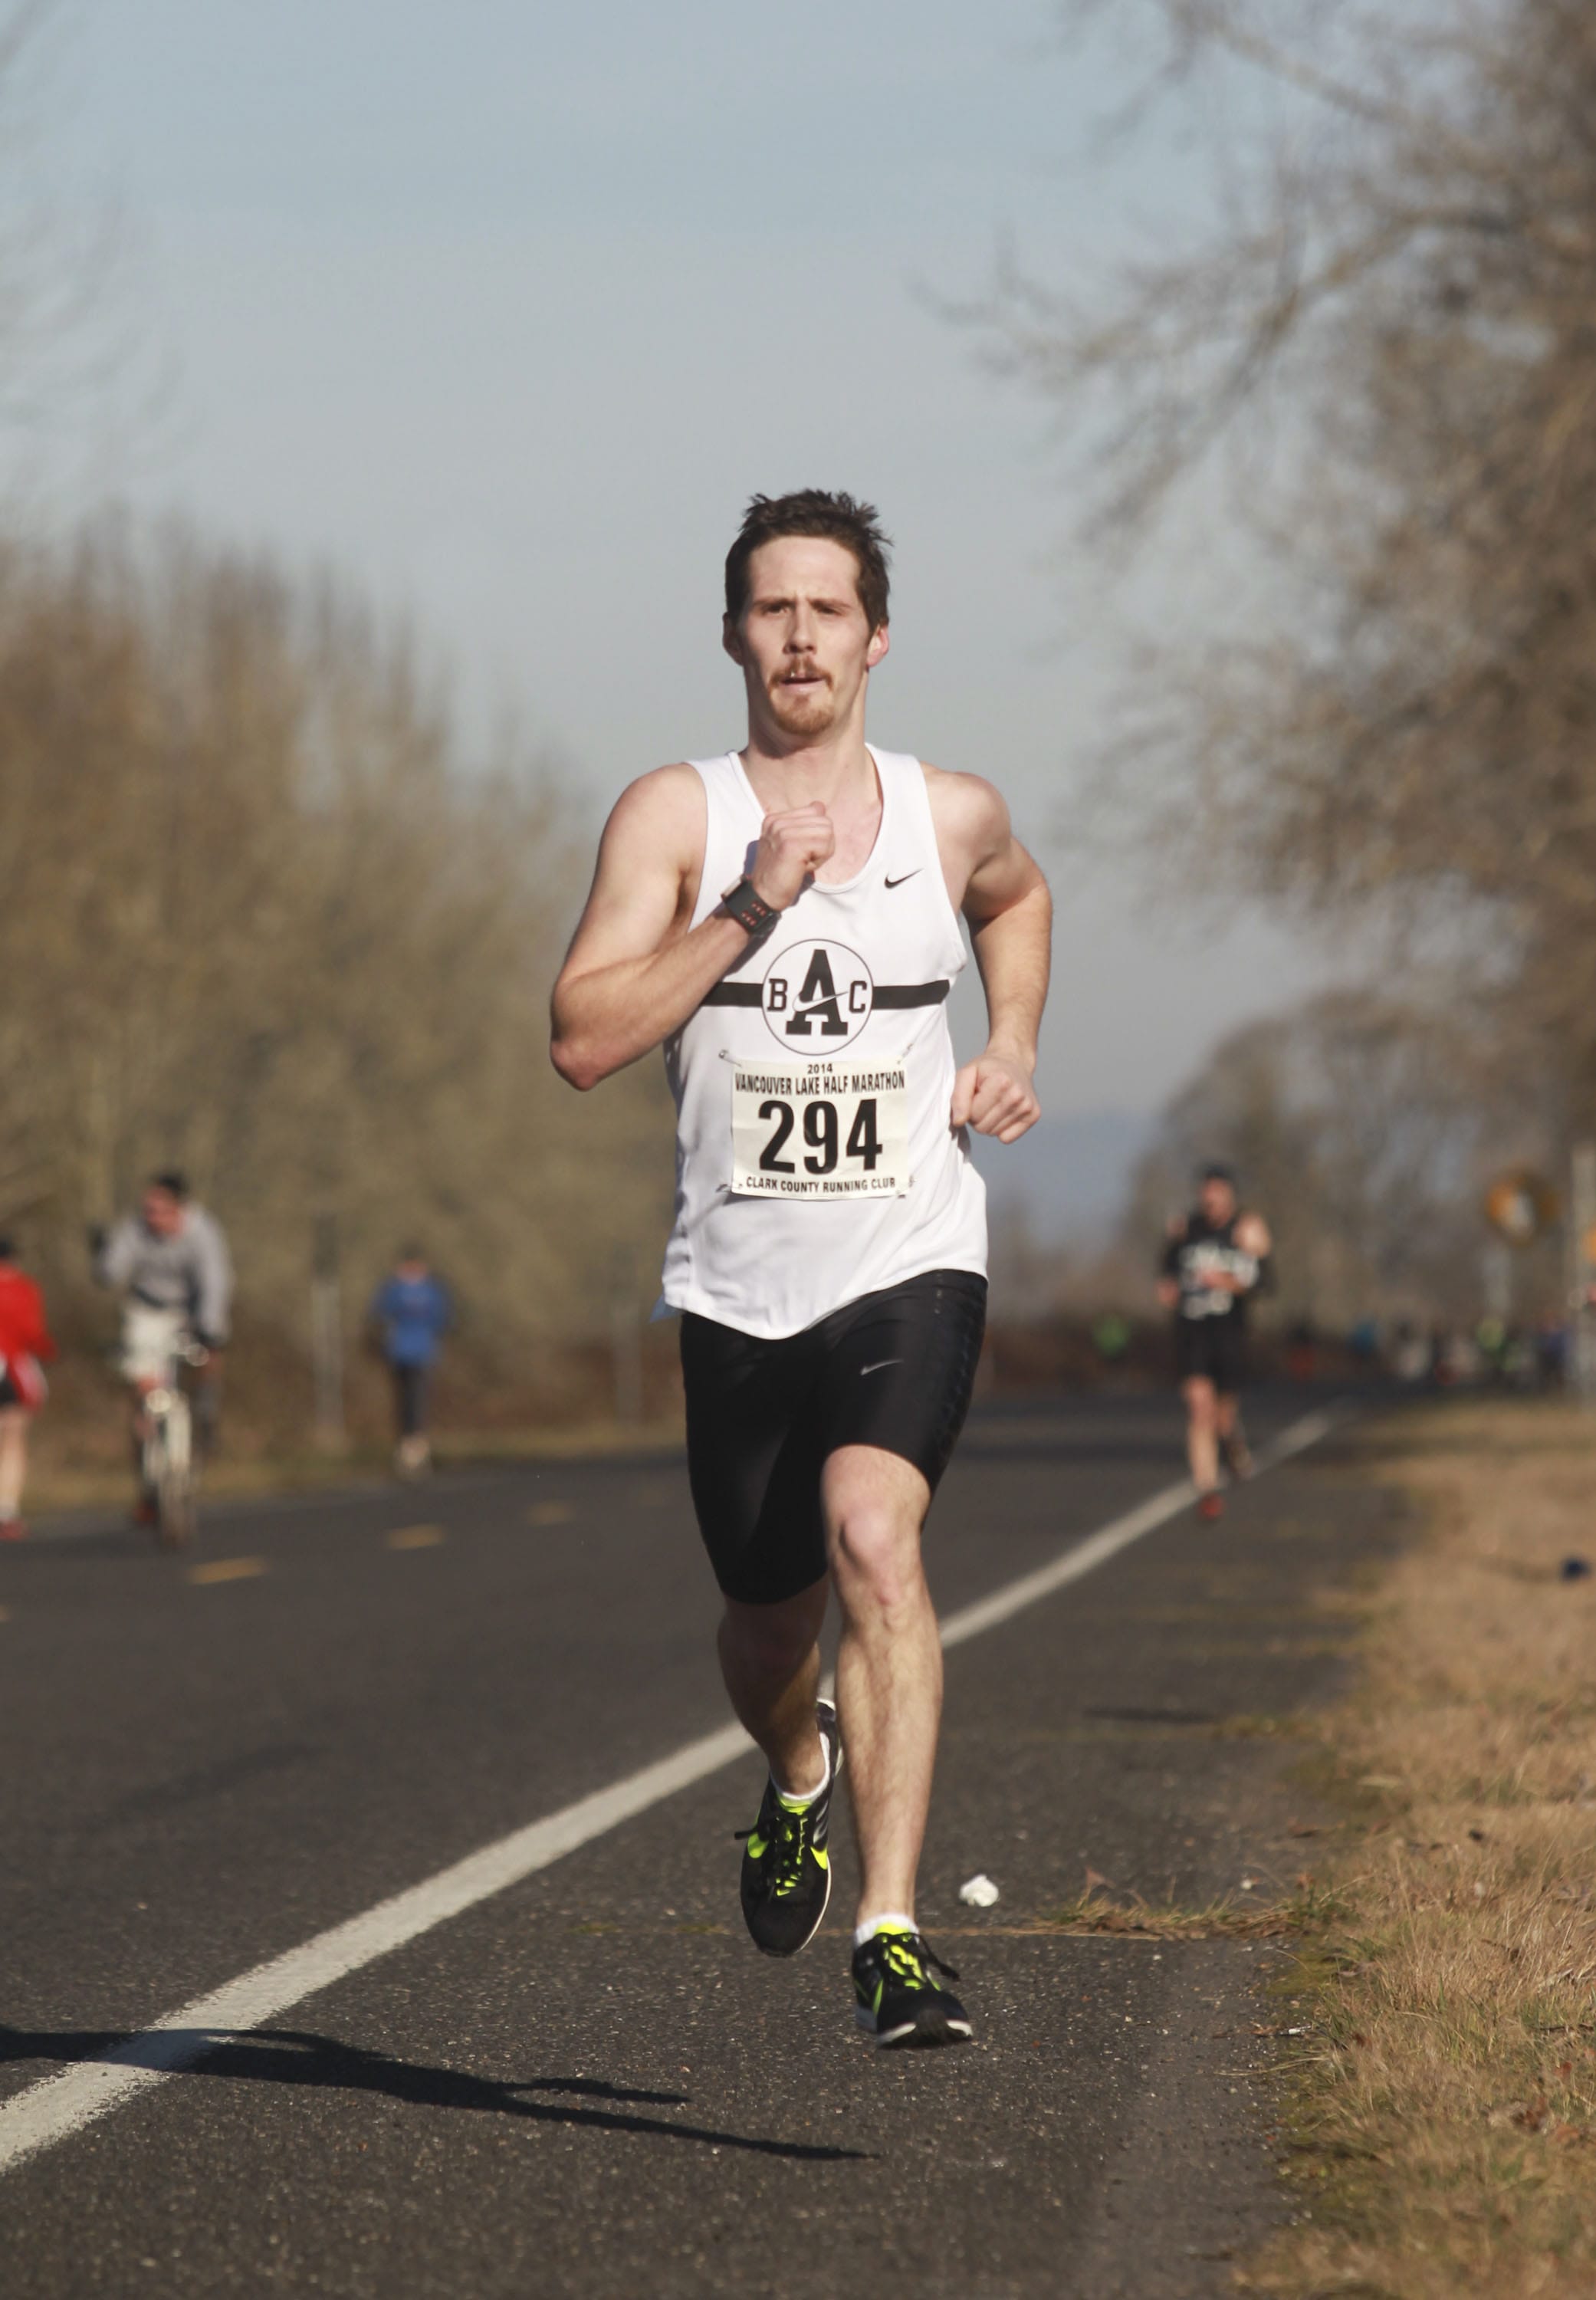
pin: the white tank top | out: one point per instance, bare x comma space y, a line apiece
815, 1162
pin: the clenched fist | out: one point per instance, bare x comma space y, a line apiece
792, 847
995, 1095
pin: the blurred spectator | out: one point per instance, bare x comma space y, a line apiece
24, 1341
1551, 1351
409, 1314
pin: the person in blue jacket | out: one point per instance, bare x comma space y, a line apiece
409, 1314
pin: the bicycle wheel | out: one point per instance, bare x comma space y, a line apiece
174, 1482
152, 1465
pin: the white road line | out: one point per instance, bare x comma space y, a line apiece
47, 2112
57, 2106
1004, 1603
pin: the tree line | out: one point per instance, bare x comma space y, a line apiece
261, 917
1374, 347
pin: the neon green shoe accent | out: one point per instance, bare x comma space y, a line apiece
785, 1894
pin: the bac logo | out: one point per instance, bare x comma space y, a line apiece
817, 996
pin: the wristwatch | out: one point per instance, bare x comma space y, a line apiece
750, 909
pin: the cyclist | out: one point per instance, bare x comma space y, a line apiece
24, 1340
170, 1263
784, 922
411, 1312
1214, 1263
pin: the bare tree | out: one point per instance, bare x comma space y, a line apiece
1403, 280
1365, 1130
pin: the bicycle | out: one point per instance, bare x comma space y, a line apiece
166, 1453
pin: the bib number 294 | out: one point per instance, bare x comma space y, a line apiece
829, 1130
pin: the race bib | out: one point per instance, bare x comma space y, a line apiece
1200, 1301
835, 1129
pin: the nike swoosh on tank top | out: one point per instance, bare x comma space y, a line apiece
815, 1162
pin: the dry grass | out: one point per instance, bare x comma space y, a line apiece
1442, 2115
1310, 1909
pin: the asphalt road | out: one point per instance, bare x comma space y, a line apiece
590, 2083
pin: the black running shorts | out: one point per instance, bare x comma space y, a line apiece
1212, 1349
893, 1370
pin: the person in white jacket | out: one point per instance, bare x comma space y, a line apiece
170, 1262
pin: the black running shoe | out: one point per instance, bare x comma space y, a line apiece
786, 1869
898, 2001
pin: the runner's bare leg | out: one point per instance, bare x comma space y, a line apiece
889, 1664
770, 1661
13, 1459
1202, 1432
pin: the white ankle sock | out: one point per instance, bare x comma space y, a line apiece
800, 1798
894, 1921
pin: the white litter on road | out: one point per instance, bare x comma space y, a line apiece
979, 1892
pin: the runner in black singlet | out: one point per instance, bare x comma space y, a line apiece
1214, 1263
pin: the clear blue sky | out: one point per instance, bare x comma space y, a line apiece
506, 310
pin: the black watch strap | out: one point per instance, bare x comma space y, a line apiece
750, 909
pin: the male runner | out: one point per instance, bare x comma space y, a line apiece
1214, 1263
785, 921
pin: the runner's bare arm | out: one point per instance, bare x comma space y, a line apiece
1004, 897
634, 973
1252, 1235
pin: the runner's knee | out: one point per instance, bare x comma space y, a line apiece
876, 1557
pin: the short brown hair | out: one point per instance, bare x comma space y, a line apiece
856, 526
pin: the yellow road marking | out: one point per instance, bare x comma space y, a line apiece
227, 1569
550, 1513
415, 1537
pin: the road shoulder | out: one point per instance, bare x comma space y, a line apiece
1439, 2091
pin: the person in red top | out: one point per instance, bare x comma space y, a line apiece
24, 1341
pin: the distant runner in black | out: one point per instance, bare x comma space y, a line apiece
1214, 1263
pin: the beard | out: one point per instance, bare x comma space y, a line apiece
809, 710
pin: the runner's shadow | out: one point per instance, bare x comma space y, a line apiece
293, 2056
